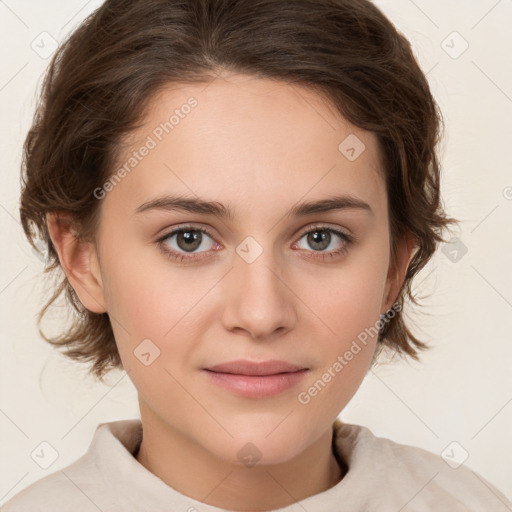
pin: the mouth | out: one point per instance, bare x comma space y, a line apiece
256, 379
262, 368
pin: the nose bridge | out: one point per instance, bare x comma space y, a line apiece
260, 300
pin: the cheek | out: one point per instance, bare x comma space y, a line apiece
350, 309
153, 301
348, 299
144, 291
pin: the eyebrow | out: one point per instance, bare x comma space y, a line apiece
216, 209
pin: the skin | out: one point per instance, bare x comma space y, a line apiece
259, 147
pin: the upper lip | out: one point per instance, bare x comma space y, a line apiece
245, 367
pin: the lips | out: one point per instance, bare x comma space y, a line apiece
263, 368
252, 379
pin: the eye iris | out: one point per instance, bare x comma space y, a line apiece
192, 240
319, 237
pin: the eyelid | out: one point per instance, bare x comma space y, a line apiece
347, 238
320, 226
184, 227
302, 232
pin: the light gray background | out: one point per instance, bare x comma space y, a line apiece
462, 389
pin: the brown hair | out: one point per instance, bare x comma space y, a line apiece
100, 81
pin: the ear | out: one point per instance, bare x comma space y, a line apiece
398, 270
79, 261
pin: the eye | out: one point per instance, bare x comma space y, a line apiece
183, 243
322, 237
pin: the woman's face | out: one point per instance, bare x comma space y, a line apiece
273, 280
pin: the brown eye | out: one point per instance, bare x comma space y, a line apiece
186, 240
321, 238
189, 240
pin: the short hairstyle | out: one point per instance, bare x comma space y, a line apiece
101, 78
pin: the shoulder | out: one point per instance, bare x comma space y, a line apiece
414, 478
59, 491
89, 484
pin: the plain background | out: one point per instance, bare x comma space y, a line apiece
458, 400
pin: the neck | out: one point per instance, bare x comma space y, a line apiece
197, 473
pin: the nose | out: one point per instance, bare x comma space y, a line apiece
259, 298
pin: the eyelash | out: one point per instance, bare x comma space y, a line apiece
176, 256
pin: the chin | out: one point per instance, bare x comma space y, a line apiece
262, 446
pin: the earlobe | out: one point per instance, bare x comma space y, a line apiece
78, 260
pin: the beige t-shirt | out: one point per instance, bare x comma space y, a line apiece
383, 476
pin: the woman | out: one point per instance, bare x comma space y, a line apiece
239, 194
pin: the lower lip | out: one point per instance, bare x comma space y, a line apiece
257, 386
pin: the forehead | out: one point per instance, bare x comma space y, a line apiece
252, 138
